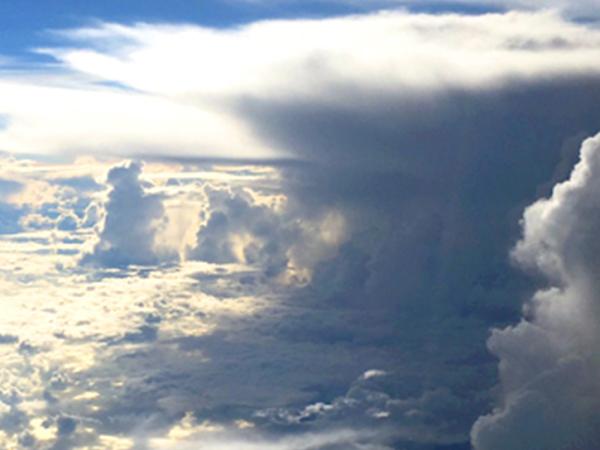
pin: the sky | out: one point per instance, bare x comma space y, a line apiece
287, 225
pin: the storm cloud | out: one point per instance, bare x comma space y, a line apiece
341, 293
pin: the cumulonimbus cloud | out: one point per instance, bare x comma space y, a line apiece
173, 89
424, 179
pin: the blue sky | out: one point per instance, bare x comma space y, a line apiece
24, 24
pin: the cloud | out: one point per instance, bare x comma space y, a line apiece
549, 368
180, 84
221, 439
433, 418
264, 232
415, 51
421, 137
423, 165
132, 218
69, 117
570, 8
238, 231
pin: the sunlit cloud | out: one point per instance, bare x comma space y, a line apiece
315, 248
183, 84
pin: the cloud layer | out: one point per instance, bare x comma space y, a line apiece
175, 90
349, 284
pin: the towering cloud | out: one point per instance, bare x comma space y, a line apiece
236, 230
131, 220
549, 366
353, 286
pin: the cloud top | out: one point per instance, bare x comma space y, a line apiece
174, 89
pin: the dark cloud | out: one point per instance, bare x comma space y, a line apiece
432, 186
263, 237
432, 193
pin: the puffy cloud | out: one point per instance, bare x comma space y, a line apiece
238, 231
549, 369
132, 218
243, 226
422, 185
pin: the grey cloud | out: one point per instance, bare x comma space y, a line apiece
426, 181
432, 419
232, 215
432, 187
432, 198
145, 333
548, 365
132, 218
66, 426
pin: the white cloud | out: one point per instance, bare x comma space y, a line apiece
382, 50
549, 365
182, 83
46, 118
229, 439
